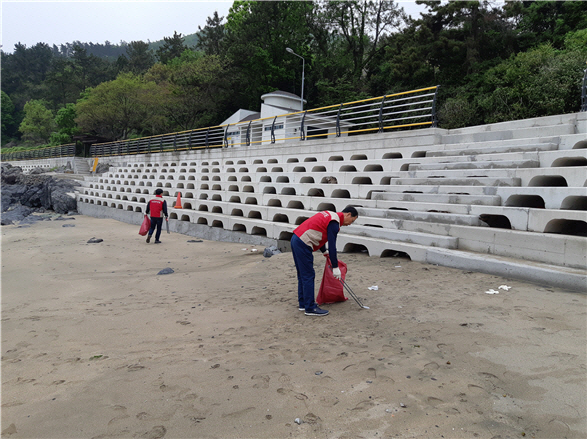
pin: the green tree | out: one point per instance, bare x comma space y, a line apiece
140, 57
66, 126
540, 22
211, 36
362, 27
257, 34
38, 122
121, 108
172, 48
542, 81
198, 92
9, 125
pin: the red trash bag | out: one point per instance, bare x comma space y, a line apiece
331, 289
145, 227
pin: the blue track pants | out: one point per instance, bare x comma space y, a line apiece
304, 261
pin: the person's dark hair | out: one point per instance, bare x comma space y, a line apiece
351, 210
158, 191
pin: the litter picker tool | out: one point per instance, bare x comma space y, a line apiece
353, 295
167, 224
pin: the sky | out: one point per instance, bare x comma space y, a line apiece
60, 22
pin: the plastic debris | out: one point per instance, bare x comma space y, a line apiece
166, 271
491, 291
504, 287
373, 288
270, 251
298, 421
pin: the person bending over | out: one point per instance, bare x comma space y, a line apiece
311, 235
157, 206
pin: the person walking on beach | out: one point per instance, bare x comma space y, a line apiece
311, 235
157, 206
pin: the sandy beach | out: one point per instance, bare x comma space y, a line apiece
96, 344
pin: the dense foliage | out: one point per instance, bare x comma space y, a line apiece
494, 62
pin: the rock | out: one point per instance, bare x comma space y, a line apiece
166, 271
17, 214
270, 251
195, 240
95, 240
102, 167
68, 225
37, 171
36, 191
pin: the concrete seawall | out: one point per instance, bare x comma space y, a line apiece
506, 198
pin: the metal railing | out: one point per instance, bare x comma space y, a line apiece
584, 92
406, 110
41, 153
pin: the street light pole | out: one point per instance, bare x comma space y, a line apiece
303, 68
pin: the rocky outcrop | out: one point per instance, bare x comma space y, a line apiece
24, 194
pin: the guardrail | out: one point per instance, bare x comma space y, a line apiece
42, 153
406, 110
416, 108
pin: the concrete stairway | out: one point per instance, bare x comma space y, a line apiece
508, 198
81, 166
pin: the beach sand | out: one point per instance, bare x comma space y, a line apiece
96, 344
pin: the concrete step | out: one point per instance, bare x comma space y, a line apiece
419, 206
574, 279
382, 217
466, 181
81, 166
492, 200
485, 164
434, 188
427, 239
504, 132
491, 148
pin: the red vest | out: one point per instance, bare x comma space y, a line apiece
156, 206
313, 231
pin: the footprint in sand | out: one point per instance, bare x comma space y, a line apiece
289, 392
155, 433
262, 381
238, 413
364, 405
434, 401
474, 388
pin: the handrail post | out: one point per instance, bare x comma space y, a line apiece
434, 115
190, 140
207, 135
338, 121
249, 134
381, 114
161, 144
584, 92
175, 142
226, 136
302, 133
273, 130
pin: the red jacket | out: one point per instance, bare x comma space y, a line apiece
156, 206
313, 231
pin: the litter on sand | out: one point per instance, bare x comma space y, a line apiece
491, 291
373, 288
503, 287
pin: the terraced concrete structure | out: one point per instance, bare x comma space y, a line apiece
507, 198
